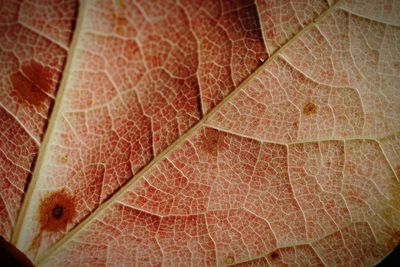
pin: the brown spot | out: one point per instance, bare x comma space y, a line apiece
274, 255
229, 260
309, 108
32, 83
63, 159
397, 65
57, 210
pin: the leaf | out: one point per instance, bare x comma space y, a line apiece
199, 133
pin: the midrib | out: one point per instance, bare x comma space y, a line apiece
44, 147
116, 195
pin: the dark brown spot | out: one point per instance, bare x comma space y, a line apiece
32, 83
309, 108
57, 210
275, 255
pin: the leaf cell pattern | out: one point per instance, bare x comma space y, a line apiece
201, 133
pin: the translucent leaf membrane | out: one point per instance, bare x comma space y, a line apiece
221, 199
281, 20
298, 167
338, 81
34, 37
141, 75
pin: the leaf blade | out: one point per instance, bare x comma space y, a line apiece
197, 126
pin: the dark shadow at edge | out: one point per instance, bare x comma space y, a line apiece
393, 259
11, 256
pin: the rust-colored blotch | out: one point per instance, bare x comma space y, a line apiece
309, 108
57, 210
32, 83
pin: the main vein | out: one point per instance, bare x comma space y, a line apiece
44, 147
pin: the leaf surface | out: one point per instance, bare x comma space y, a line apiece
211, 133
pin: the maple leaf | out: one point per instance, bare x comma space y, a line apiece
200, 133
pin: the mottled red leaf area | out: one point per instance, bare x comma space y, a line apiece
200, 133
34, 39
32, 83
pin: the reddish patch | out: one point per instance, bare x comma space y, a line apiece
387, 8
270, 34
309, 108
32, 82
121, 23
56, 211
329, 205
210, 142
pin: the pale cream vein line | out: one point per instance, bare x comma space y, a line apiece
42, 34
31, 135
